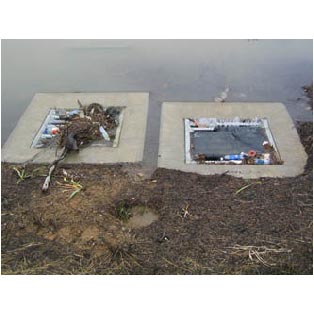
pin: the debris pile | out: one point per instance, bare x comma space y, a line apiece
74, 128
216, 141
268, 157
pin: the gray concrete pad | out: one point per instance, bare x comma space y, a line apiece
132, 136
171, 148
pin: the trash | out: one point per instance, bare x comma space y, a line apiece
113, 112
234, 157
46, 136
202, 122
104, 133
251, 153
51, 129
266, 156
209, 123
76, 130
219, 147
56, 122
71, 143
193, 123
95, 108
235, 162
205, 157
261, 161
267, 145
74, 112
163, 238
223, 96
42, 145
55, 131
219, 160
84, 122
87, 130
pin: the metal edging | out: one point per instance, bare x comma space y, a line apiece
270, 136
187, 131
118, 131
42, 128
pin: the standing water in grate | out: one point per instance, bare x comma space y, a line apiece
228, 140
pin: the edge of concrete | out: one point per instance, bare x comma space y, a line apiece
18, 149
171, 148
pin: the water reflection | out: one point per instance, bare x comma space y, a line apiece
263, 70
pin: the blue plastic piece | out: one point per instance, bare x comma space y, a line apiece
234, 157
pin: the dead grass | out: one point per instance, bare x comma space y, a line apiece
263, 229
258, 254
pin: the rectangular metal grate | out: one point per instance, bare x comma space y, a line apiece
45, 137
229, 141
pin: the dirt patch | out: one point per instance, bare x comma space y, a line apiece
90, 233
141, 216
204, 225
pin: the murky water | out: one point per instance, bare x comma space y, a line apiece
171, 70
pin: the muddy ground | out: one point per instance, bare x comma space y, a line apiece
124, 221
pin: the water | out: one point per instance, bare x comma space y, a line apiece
171, 70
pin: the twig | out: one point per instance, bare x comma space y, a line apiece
175, 265
52, 168
24, 247
257, 252
247, 186
185, 211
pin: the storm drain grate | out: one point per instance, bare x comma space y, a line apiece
230, 141
58, 118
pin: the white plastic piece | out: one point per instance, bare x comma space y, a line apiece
104, 133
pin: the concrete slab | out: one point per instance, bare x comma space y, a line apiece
132, 136
172, 152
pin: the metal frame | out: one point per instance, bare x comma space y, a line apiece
52, 111
263, 122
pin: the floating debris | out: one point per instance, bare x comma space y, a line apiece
223, 96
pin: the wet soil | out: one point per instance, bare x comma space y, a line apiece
308, 89
126, 222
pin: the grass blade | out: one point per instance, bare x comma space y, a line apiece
74, 193
247, 186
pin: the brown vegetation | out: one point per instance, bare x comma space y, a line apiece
201, 224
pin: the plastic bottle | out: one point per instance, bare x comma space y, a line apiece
261, 161
234, 157
104, 133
